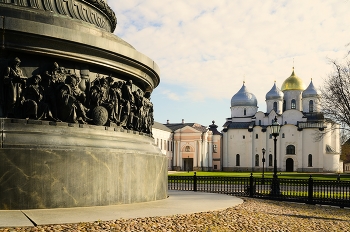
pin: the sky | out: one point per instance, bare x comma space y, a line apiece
206, 49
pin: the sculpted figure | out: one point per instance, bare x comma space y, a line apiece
14, 83
115, 95
50, 82
70, 102
33, 101
138, 110
148, 114
128, 106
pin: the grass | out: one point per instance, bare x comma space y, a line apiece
281, 175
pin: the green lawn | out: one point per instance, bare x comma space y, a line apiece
287, 175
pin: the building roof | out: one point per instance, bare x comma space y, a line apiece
240, 125
315, 116
244, 98
274, 94
310, 91
176, 126
160, 126
293, 83
213, 129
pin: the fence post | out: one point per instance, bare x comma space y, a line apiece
310, 191
195, 182
251, 185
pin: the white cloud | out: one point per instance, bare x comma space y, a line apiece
209, 47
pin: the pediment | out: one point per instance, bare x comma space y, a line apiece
187, 129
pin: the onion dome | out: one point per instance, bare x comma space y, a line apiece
310, 91
274, 94
293, 83
244, 98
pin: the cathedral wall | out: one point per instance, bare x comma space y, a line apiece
243, 111
316, 104
269, 106
292, 117
293, 94
239, 145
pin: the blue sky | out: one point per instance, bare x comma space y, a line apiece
206, 49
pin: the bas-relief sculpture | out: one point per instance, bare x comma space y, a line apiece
59, 95
96, 12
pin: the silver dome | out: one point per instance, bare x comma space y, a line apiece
244, 98
310, 91
274, 94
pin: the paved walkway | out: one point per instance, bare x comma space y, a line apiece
178, 202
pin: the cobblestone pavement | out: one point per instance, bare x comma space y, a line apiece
252, 215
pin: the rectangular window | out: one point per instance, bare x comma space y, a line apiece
164, 144
215, 166
161, 144
168, 145
256, 136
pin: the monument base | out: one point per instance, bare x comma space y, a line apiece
52, 165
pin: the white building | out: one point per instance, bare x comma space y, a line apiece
163, 137
189, 146
298, 110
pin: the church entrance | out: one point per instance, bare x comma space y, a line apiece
289, 165
188, 164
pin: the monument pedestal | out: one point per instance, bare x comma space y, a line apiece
52, 165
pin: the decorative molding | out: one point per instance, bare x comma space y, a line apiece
96, 12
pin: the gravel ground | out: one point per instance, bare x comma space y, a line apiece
252, 215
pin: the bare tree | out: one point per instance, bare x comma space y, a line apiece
335, 95
335, 101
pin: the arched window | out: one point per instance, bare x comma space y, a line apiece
270, 136
293, 104
270, 160
243, 136
215, 148
309, 161
284, 105
256, 136
259, 122
257, 160
275, 106
290, 150
238, 160
187, 149
283, 136
245, 112
311, 106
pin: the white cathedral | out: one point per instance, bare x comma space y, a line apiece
299, 145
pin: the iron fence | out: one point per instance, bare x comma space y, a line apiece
310, 191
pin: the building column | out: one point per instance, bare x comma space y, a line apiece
210, 151
199, 146
224, 150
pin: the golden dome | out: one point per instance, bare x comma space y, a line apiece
293, 83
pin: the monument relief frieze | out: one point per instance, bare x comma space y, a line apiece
96, 12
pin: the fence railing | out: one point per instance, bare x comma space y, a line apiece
310, 191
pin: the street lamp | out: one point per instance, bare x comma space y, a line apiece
275, 130
263, 161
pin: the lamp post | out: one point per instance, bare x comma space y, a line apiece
263, 161
275, 130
